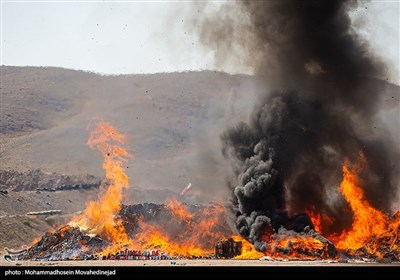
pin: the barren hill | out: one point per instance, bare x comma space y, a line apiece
169, 118
173, 122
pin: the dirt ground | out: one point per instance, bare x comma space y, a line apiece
186, 262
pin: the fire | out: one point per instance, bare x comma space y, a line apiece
198, 231
63, 230
208, 229
316, 218
321, 221
179, 210
186, 234
370, 226
197, 235
153, 237
298, 247
248, 251
99, 216
287, 246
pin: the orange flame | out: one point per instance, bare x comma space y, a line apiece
286, 246
321, 221
315, 217
369, 224
153, 237
179, 210
248, 251
199, 231
299, 247
193, 235
197, 237
99, 216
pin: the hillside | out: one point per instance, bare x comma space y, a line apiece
173, 122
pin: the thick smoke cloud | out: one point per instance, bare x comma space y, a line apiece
321, 95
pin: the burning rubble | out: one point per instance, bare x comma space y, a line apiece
312, 178
65, 243
311, 245
372, 233
144, 222
317, 111
109, 230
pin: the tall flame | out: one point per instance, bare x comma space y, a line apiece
369, 224
99, 216
199, 230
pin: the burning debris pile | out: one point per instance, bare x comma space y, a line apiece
107, 229
70, 243
66, 243
304, 245
132, 215
174, 216
302, 141
373, 233
386, 244
178, 229
177, 238
317, 114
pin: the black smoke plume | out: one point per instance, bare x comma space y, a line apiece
322, 92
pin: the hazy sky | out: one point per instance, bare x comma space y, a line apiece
104, 37
143, 37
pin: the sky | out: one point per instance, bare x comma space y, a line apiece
127, 37
110, 38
